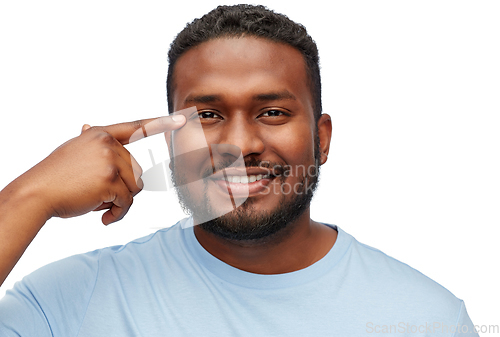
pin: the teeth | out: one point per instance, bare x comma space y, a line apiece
244, 179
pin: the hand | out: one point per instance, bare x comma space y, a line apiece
94, 171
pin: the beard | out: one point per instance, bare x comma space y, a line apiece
246, 222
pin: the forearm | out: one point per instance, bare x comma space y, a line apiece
21, 217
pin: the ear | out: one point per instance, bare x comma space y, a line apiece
325, 136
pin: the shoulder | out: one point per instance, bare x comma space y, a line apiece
57, 295
48, 297
75, 276
392, 283
81, 271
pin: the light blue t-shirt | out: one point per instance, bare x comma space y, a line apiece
167, 284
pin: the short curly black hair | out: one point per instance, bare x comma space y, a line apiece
239, 20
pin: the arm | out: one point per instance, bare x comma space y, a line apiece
21, 217
90, 172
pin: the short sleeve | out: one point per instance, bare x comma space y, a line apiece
464, 325
52, 301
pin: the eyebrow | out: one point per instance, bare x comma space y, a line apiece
203, 99
270, 96
275, 96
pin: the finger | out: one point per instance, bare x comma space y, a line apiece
108, 205
122, 200
128, 168
132, 162
130, 177
104, 205
130, 132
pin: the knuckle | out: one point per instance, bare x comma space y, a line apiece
139, 171
135, 166
105, 138
137, 124
136, 190
111, 173
139, 186
119, 214
107, 153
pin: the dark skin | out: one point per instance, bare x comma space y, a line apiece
253, 93
90, 172
257, 100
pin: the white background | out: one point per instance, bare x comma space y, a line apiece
412, 88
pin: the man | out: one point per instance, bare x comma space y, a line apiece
258, 267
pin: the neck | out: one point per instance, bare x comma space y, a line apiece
295, 247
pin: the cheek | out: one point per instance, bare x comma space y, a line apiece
188, 139
189, 148
294, 145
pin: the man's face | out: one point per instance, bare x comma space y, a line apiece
251, 94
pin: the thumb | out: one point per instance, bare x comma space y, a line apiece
85, 127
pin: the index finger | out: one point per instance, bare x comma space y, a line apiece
130, 132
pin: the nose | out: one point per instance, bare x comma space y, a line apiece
241, 136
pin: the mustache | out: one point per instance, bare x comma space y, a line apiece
182, 162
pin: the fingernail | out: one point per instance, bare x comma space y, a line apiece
85, 127
178, 118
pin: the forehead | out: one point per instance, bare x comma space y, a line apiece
239, 68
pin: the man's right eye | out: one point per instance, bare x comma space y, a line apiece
208, 115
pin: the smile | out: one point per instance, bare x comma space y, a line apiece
241, 185
245, 179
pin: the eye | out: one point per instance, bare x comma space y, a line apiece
275, 117
208, 115
273, 113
